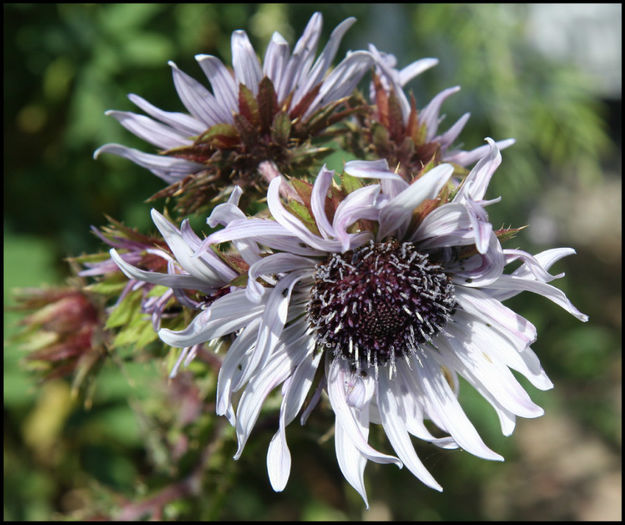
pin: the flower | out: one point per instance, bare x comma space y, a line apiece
255, 114
392, 290
64, 334
405, 137
207, 276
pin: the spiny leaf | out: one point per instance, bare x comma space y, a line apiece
267, 104
505, 234
248, 106
220, 136
281, 128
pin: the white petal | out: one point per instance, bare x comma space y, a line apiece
276, 263
396, 215
276, 57
476, 182
297, 386
170, 169
149, 130
247, 70
337, 378
325, 59
447, 139
407, 73
224, 87
197, 99
215, 274
429, 115
395, 428
371, 169
342, 81
318, 200
185, 124
511, 286
466, 158
232, 367
351, 461
443, 401
163, 279
292, 224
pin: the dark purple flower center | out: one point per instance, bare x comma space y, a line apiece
379, 302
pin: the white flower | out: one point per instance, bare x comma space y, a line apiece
392, 313
294, 76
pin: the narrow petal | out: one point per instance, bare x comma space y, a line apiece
443, 401
396, 215
429, 115
351, 461
325, 59
466, 158
170, 169
407, 73
302, 57
197, 99
292, 224
337, 377
447, 139
276, 57
370, 169
149, 130
359, 204
318, 200
476, 182
273, 264
215, 274
247, 70
395, 429
224, 88
297, 386
185, 124
511, 286
342, 81
164, 279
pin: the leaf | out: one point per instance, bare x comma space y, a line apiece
267, 104
301, 211
125, 310
248, 106
281, 128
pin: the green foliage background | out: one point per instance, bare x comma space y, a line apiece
66, 64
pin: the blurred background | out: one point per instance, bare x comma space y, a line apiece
548, 75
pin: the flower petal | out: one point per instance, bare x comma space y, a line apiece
149, 130
395, 428
247, 70
395, 216
170, 169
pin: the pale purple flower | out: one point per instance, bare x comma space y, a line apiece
206, 275
392, 315
394, 80
294, 74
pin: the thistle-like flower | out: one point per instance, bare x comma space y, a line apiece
392, 290
409, 139
269, 112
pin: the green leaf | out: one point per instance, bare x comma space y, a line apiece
248, 106
125, 310
281, 128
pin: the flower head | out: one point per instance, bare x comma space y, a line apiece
255, 113
406, 137
392, 290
